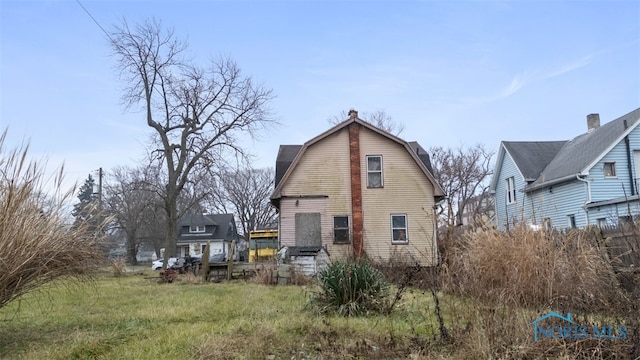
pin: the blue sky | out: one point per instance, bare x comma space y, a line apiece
454, 73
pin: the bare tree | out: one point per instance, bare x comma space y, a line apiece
463, 174
197, 114
378, 118
246, 192
130, 199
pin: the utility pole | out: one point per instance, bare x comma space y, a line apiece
100, 190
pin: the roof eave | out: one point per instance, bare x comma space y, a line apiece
545, 184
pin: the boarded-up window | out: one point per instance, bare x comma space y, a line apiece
308, 230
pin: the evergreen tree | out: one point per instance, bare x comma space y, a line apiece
86, 211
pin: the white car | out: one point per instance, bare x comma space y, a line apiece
157, 265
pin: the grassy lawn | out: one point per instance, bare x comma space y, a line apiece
135, 317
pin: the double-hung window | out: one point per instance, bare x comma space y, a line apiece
374, 171
511, 190
196, 228
341, 229
399, 234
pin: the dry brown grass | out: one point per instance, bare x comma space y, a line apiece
528, 268
501, 282
36, 245
119, 267
266, 272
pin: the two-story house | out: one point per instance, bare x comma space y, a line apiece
357, 190
591, 179
196, 230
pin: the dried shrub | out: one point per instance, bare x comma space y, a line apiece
297, 276
191, 278
266, 273
504, 281
36, 244
533, 269
119, 267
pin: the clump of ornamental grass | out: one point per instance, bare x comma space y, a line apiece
533, 269
36, 244
351, 288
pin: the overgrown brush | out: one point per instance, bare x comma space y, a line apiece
266, 273
529, 268
351, 288
119, 267
502, 282
36, 244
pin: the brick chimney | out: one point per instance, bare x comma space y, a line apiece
353, 114
593, 121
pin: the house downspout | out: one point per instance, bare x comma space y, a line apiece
626, 142
586, 212
356, 187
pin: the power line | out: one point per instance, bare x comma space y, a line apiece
94, 19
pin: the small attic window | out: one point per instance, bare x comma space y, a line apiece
196, 228
610, 169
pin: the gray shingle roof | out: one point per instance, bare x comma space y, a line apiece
286, 154
532, 157
578, 154
423, 155
222, 222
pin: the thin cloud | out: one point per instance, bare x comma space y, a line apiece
516, 84
575, 65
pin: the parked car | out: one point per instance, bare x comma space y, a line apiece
157, 265
192, 260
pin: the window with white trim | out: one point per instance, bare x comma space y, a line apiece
571, 221
374, 171
610, 169
341, 229
399, 233
511, 190
196, 228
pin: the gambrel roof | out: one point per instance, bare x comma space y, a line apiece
544, 163
290, 155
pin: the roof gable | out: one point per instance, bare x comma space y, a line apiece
579, 155
222, 222
290, 155
531, 157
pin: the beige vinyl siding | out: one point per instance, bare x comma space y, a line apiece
289, 207
322, 170
406, 190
